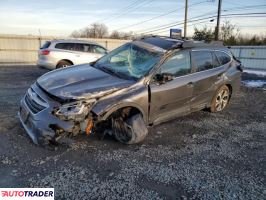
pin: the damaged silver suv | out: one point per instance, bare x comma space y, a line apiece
142, 83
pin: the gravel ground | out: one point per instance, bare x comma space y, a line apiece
199, 156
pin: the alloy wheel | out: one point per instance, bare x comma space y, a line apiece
222, 99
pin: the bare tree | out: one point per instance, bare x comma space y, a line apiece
95, 30
115, 35
203, 34
98, 30
228, 31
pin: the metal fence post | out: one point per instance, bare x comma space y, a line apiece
240, 49
40, 42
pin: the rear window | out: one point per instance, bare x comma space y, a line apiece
46, 45
223, 57
202, 60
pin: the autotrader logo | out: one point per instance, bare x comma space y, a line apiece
27, 193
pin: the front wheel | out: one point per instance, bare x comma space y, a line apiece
220, 99
130, 131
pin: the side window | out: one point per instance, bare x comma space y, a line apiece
65, 46
82, 47
97, 49
216, 62
223, 57
177, 65
86, 48
79, 47
202, 60
60, 46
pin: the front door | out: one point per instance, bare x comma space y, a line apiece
171, 98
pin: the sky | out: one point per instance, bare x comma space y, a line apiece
62, 17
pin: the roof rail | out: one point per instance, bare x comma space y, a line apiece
193, 43
158, 36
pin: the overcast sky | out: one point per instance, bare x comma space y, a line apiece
61, 17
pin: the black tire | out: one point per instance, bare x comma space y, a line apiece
131, 131
63, 64
221, 99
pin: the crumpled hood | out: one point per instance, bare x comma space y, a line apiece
82, 81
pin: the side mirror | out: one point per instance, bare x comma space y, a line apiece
163, 78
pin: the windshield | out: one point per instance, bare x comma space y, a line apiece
129, 61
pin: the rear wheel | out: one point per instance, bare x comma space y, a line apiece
63, 64
220, 99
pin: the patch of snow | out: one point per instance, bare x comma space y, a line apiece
255, 83
256, 72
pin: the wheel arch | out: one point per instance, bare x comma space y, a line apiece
66, 60
230, 87
105, 115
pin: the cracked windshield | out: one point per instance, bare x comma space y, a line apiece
129, 61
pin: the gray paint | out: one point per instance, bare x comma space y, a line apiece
156, 102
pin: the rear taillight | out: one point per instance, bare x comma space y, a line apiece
44, 52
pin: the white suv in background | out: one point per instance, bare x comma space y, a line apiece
62, 53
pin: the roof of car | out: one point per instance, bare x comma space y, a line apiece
167, 43
73, 41
162, 42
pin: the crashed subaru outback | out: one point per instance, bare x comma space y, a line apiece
142, 83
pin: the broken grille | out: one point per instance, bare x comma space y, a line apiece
34, 101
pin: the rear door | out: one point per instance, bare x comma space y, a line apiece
207, 74
172, 98
83, 54
65, 51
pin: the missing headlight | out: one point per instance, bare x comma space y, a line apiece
74, 111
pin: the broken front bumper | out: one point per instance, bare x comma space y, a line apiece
38, 120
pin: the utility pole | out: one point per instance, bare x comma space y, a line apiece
185, 22
218, 20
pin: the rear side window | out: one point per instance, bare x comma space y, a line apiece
223, 57
216, 62
46, 45
82, 47
202, 60
66, 46
177, 65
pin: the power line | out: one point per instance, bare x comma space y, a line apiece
245, 7
122, 9
202, 15
173, 23
191, 20
205, 21
258, 16
159, 16
131, 9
